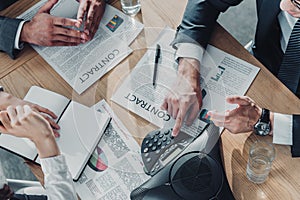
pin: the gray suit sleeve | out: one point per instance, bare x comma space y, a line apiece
199, 20
8, 31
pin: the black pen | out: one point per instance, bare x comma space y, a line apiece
157, 57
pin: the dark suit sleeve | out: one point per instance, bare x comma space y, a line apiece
199, 20
8, 31
296, 136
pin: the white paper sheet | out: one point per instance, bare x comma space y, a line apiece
81, 66
116, 167
221, 75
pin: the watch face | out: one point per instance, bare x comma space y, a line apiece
262, 128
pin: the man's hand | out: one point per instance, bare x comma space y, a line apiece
240, 119
10, 100
185, 99
93, 10
47, 30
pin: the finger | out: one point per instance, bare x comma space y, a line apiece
28, 110
193, 113
58, 30
82, 10
90, 18
240, 100
60, 21
45, 110
20, 113
216, 116
56, 133
178, 124
65, 39
175, 108
48, 6
164, 105
5, 121
170, 106
51, 122
12, 114
219, 123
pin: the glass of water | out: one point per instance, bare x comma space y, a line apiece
131, 7
261, 156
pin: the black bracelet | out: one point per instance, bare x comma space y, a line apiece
1, 88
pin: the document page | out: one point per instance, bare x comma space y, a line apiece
221, 75
116, 167
80, 66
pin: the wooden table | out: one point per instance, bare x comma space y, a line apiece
284, 181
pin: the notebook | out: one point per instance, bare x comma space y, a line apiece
81, 130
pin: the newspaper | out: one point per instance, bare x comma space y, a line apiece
81, 66
116, 167
221, 75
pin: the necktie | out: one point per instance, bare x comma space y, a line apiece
289, 72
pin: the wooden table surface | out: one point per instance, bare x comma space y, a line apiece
17, 76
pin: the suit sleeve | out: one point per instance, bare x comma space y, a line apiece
199, 20
8, 30
296, 136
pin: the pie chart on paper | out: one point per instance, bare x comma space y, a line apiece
98, 161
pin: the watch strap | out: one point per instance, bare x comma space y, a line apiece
265, 115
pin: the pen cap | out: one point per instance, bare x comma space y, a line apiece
158, 49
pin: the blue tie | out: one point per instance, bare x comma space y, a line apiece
289, 72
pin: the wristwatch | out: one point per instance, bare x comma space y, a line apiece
263, 125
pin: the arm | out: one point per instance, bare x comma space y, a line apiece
185, 99
22, 121
8, 31
243, 118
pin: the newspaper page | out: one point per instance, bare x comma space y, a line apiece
116, 167
80, 66
221, 75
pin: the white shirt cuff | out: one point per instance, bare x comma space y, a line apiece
18, 34
283, 129
189, 50
54, 164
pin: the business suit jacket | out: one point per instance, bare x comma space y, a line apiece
8, 30
199, 21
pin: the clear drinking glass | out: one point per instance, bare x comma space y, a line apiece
261, 156
131, 7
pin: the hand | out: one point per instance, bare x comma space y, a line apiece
185, 100
239, 120
22, 121
10, 100
6, 192
93, 10
47, 30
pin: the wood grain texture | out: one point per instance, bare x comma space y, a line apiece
17, 76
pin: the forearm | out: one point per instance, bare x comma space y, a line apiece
190, 69
199, 20
47, 146
8, 30
58, 180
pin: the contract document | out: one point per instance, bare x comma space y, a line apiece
81, 66
221, 75
116, 167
